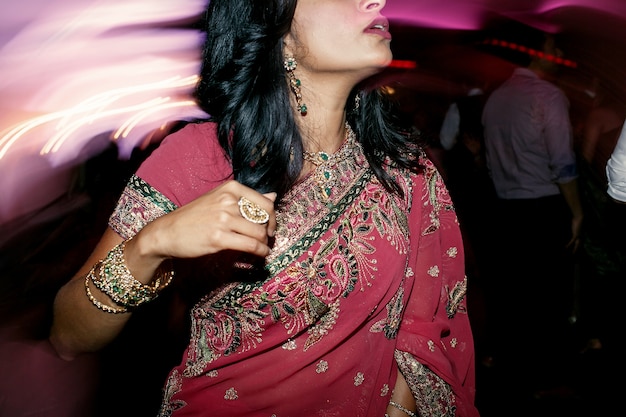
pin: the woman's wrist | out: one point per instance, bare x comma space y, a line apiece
112, 277
142, 256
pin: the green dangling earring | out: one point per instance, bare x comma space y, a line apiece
290, 65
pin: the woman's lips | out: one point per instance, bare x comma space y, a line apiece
379, 27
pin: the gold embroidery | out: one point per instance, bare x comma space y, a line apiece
289, 345
231, 394
391, 324
434, 397
433, 271
322, 328
455, 297
321, 367
431, 345
173, 386
359, 378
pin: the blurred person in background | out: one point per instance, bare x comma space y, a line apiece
616, 169
600, 130
539, 216
604, 250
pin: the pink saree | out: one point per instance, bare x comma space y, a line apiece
360, 284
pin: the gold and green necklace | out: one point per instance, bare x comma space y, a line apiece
326, 164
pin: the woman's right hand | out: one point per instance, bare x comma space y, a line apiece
210, 224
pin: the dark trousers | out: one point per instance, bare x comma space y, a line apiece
530, 289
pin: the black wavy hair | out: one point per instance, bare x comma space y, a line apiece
243, 88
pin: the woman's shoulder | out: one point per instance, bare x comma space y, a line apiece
193, 141
192, 135
188, 161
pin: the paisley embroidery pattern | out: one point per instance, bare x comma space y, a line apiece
324, 251
455, 298
437, 195
172, 386
391, 324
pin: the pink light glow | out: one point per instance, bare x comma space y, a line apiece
71, 71
472, 14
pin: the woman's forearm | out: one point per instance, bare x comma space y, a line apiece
85, 318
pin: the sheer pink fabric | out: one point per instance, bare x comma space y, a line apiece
351, 280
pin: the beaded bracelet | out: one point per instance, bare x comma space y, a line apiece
115, 280
402, 408
98, 304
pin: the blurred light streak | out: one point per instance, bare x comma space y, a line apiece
94, 110
126, 128
614, 7
56, 141
75, 72
530, 51
403, 63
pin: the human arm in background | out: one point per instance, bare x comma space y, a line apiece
559, 143
592, 130
616, 169
570, 192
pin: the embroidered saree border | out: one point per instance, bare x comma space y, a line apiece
142, 203
312, 235
283, 260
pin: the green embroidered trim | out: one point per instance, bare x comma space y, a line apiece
236, 293
312, 235
146, 191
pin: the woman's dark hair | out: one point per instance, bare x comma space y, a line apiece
244, 90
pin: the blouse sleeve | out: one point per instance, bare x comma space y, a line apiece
187, 164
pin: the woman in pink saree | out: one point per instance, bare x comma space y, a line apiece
332, 237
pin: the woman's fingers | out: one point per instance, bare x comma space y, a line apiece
232, 216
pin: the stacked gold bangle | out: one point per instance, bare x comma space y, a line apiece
113, 278
101, 306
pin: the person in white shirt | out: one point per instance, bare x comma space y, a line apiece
616, 169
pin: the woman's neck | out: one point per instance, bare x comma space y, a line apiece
325, 135
323, 127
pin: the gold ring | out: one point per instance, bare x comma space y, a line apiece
252, 212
